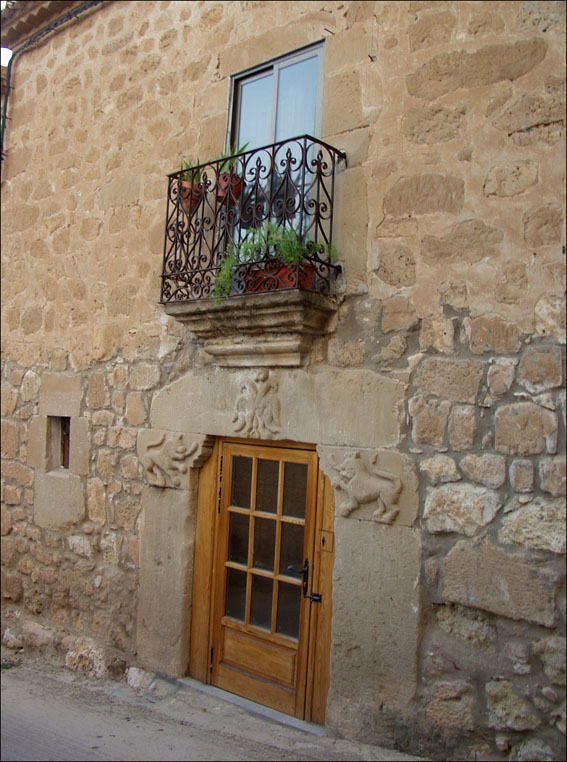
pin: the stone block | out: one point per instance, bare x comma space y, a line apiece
10, 439
501, 376
167, 458
487, 65
538, 525
524, 428
366, 406
79, 450
86, 656
22, 475
511, 179
460, 508
490, 333
550, 320
340, 88
396, 264
543, 226
434, 124
551, 651
11, 584
503, 583
487, 469
96, 499
60, 394
522, 475
457, 380
552, 475
439, 469
429, 420
379, 485
97, 393
59, 499
136, 411
120, 191
451, 706
507, 710
437, 332
398, 314
376, 574
431, 29
166, 579
36, 635
425, 194
471, 627
462, 427
144, 376
540, 369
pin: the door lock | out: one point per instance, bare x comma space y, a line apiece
315, 597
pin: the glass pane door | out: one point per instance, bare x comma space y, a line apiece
266, 538
266, 531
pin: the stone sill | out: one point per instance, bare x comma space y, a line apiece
267, 329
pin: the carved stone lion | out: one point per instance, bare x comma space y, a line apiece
362, 485
165, 460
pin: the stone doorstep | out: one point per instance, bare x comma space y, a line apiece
268, 329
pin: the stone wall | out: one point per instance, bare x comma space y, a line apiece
451, 228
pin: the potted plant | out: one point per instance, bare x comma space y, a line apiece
191, 186
270, 258
229, 184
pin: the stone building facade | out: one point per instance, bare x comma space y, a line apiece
441, 363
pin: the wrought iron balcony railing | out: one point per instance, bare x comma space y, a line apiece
215, 207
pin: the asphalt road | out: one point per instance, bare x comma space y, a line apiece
50, 713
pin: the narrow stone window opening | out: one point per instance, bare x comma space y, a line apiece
59, 442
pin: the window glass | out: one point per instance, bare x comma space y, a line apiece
280, 101
255, 112
297, 97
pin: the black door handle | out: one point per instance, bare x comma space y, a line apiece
316, 597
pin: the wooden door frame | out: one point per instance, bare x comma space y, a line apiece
203, 578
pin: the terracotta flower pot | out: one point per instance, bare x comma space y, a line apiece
229, 187
274, 276
190, 196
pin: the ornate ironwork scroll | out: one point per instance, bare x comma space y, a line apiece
216, 205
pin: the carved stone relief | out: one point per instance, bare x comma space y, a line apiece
379, 485
167, 456
257, 407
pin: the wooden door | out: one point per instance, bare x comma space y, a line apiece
264, 566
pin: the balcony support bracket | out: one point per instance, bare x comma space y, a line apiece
269, 329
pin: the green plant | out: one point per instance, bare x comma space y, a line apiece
189, 173
226, 157
270, 241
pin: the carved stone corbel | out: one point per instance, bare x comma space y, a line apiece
379, 485
168, 456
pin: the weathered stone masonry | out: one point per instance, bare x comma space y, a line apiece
443, 368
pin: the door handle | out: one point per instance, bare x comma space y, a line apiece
316, 597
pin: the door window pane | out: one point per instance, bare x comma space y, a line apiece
235, 594
264, 543
291, 548
241, 481
267, 486
261, 602
295, 489
297, 97
238, 538
289, 605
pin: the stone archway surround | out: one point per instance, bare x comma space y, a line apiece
354, 417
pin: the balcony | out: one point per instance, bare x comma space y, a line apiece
220, 209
